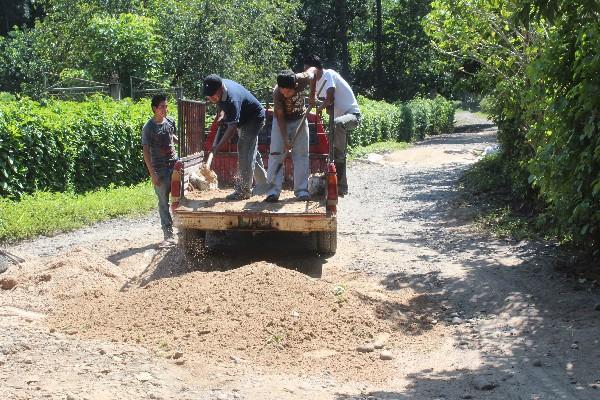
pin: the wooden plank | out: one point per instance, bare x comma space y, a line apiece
255, 222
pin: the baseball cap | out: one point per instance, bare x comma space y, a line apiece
212, 83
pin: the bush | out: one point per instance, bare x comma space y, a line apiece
68, 146
400, 122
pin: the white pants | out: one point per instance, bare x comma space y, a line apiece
299, 157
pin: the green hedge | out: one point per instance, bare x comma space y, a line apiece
65, 146
70, 146
402, 122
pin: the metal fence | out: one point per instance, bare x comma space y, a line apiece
143, 87
78, 88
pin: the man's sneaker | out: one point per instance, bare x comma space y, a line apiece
303, 197
238, 196
272, 198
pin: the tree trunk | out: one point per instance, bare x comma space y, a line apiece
378, 50
342, 34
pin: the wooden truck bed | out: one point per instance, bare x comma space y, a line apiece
209, 210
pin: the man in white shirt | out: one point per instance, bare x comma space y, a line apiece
346, 113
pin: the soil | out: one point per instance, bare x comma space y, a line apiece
416, 304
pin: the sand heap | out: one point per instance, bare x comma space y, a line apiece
261, 313
40, 284
204, 178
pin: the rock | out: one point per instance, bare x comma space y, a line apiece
366, 348
177, 355
380, 340
482, 383
180, 361
597, 307
144, 376
574, 346
537, 363
8, 283
454, 315
457, 321
236, 359
386, 355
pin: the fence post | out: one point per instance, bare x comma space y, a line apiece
115, 90
178, 92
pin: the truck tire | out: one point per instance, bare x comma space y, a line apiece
327, 242
192, 241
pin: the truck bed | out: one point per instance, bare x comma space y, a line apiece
209, 210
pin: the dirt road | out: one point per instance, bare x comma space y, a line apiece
416, 304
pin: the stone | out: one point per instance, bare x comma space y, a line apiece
482, 383
597, 307
386, 355
366, 348
8, 283
144, 376
537, 363
456, 321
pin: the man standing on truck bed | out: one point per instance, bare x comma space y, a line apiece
345, 113
158, 142
288, 106
243, 114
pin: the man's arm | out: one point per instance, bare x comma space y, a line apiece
312, 96
231, 129
282, 129
329, 98
148, 162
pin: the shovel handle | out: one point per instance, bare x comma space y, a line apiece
209, 160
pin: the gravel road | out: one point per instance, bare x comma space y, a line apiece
103, 312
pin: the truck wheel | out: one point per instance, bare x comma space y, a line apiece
327, 242
192, 241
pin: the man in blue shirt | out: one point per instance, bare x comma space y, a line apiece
243, 114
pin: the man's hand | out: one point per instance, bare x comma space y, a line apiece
155, 179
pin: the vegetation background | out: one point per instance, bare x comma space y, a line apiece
532, 64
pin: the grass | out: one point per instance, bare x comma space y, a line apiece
44, 213
379, 147
487, 186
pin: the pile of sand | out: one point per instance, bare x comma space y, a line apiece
41, 284
261, 313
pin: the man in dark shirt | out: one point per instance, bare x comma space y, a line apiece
244, 115
158, 138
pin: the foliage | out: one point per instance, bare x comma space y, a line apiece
379, 147
44, 213
402, 122
540, 65
66, 146
490, 33
120, 47
565, 118
245, 41
173, 42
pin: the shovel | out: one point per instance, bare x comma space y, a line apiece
261, 189
205, 170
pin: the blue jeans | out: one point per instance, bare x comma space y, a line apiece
162, 192
299, 157
249, 161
